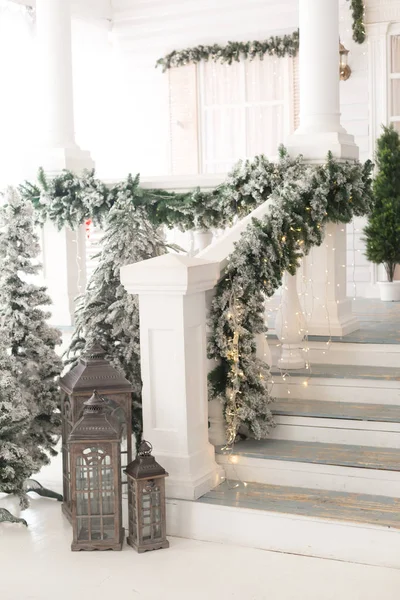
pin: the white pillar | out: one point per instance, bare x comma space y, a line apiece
320, 130
58, 149
64, 270
172, 303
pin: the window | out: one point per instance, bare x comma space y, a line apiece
394, 81
220, 113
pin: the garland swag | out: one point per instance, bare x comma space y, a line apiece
300, 206
303, 198
280, 46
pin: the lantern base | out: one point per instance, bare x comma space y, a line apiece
99, 545
147, 547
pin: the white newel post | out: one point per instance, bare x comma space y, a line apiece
63, 251
172, 302
319, 132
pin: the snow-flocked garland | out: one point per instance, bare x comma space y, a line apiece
301, 204
358, 12
303, 198
280, 46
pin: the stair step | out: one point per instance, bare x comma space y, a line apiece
339, 383
338, 467
324, 504
342, 372
362, 457
303, 521
297, 407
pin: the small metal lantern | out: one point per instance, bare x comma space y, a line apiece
96, 491
146, 502
344, 69
93, 371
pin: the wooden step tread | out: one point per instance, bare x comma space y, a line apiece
384, 413
362, 457
341, 506
342, 372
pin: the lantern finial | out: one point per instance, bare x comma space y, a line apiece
145, 448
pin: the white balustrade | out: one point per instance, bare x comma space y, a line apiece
290, 326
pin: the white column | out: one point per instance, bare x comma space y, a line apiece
58, 148
320, 130
64, 270
172, 303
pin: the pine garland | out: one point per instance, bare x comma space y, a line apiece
280, 46
302, 203
358, 12
303, 198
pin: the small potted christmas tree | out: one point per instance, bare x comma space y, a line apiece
382, 234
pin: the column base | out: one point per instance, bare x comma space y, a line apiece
54, 160
315, 146
335, 320
191, 476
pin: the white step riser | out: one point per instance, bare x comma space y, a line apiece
308, 475
307, 536
339, 390
337, 431
373, 355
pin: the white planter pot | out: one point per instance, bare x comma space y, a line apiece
389, 290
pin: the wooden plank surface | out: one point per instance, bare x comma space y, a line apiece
363, 457
341, 506
385, 413
343, 372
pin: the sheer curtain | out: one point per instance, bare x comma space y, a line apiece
245, 110
395, 81
18, 91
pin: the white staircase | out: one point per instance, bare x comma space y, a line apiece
327, 481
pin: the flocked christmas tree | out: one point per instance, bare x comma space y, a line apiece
382, 233
16, 463
107, 314
23, 321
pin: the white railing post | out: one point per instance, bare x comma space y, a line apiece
172, 303
290, 326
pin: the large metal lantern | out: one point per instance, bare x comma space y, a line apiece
93, 371
96, 491
146, 502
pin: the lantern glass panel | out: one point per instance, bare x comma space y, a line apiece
95, 502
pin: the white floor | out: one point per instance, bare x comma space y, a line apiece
36, 564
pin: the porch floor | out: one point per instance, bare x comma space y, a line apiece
379, 324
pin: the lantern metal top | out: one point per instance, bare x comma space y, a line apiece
97, 422
94, 371
145, 465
